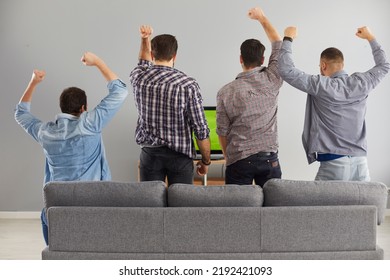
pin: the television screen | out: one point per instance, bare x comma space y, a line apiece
211, 117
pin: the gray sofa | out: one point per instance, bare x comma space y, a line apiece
284, 220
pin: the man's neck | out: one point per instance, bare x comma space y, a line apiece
164, 63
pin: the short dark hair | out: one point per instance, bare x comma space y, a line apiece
164, 47
332, 54
252, 53
72, 99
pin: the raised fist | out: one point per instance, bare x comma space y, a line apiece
146, 31
37, 76
365, 33
90, 59
256, 13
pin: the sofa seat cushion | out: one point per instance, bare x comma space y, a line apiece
280, 192
105, 194
183, 195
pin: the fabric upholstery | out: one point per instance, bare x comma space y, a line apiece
212, 230
279, 192
303, 220
104, 193
106, 229
182, 195
318, 228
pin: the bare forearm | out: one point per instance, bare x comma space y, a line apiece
28, 93
107, 73
270, 30
145, 50
204, 147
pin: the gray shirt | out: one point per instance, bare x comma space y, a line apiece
336, 105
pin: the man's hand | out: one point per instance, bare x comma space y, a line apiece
256, 14
37, 76
291, 32
365, 33
146, 31
90, 59
201, 169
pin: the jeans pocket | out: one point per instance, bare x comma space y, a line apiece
274, 168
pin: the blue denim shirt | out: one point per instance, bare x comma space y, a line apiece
73, 145
336, 105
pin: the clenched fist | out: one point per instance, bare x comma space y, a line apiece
90, 59
146, 31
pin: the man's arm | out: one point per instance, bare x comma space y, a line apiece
36, 78
223, 144
145, 49
22, 112
287, 70
90, 59
258, 14
203, 164
97, 118
382, 66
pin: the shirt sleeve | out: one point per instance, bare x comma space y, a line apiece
98, 118
381, 68
293, 76
272, 68
198, 119
26, 120
222, 118
137, 72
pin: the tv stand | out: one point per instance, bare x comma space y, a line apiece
206, 180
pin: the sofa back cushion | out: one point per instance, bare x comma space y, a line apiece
183, 195
279, 192
105, 194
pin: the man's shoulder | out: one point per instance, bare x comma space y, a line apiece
230, 86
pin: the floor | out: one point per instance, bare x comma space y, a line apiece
21, 239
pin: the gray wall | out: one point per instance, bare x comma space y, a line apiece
52, 35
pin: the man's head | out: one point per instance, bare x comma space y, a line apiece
73, 101
252, 53
331, 61
164, 47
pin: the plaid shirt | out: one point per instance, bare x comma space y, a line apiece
169, 107
247, 109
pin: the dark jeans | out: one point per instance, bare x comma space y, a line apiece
258, 167
162, 162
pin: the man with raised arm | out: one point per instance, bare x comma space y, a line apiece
72, 144
247, 112
170, 109
335, 129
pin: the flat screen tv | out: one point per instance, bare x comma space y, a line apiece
215, 149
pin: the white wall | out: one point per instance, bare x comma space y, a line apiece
52, 35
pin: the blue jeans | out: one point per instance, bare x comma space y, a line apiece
161, 162
45, 228
258, 167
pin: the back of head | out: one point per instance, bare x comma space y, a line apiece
252, 53
332, 55
72, 99
164, 47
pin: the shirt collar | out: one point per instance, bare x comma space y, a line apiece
339, 74
66, 116
251, 72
